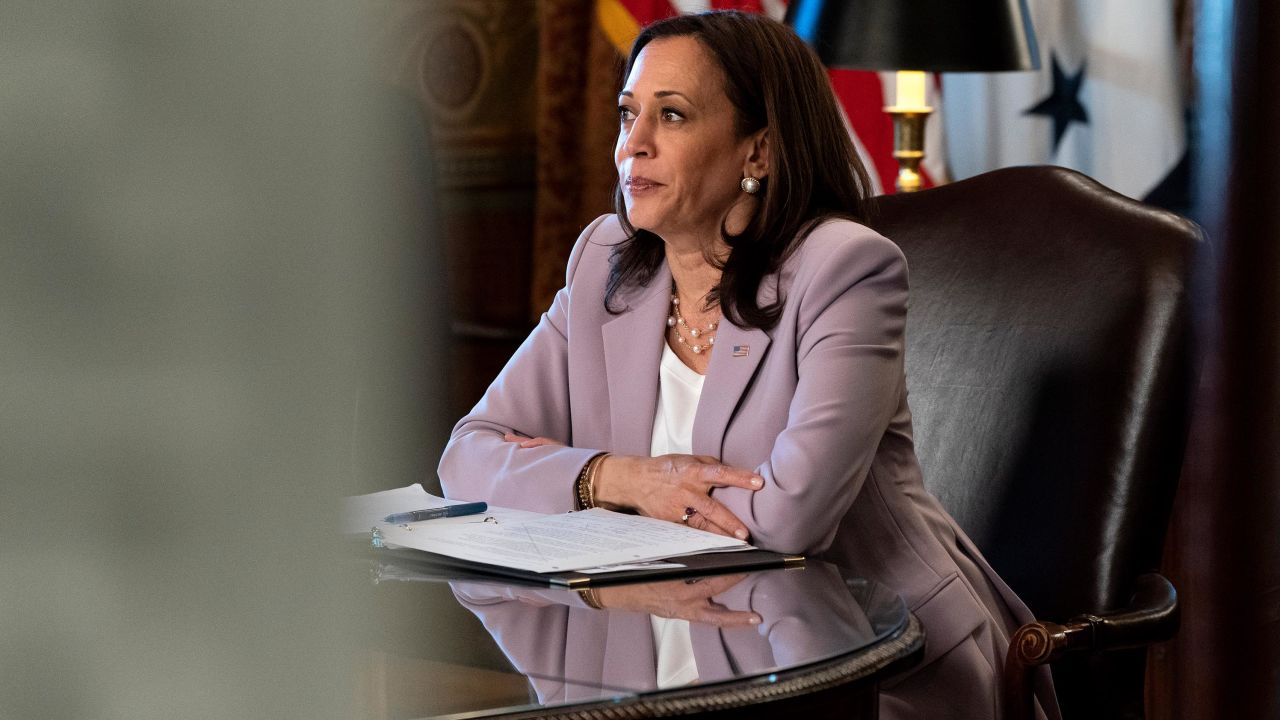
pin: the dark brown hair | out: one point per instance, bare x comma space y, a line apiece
773, 80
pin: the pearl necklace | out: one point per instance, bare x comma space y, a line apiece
675, 321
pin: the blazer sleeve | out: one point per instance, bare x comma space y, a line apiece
529, 397
806, 614
532, 636
850, 378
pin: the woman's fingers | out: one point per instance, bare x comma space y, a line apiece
713, 517
716, 474
528, 442
713, 613
708, 587
699, 521
664, 486
683, 599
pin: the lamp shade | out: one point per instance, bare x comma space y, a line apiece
930, 35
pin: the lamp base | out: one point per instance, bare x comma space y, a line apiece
908, 144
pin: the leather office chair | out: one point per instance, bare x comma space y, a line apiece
1049, 367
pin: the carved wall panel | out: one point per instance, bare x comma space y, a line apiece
471, 66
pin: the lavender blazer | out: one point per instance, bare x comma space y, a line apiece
817, 405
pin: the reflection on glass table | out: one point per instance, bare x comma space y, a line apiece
793, 640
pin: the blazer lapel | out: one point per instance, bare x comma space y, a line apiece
632, 354
734, 361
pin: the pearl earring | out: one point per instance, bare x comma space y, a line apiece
750, 185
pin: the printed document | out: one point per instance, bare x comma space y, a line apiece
593, 539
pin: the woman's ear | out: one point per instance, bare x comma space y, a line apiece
757, 165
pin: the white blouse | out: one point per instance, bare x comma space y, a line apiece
679, 389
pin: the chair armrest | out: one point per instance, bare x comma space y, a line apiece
1150, 617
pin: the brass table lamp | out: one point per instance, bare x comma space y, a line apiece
914, 37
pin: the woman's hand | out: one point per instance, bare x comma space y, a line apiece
529, 442
680, 599
665, 487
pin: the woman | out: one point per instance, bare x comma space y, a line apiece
728, 349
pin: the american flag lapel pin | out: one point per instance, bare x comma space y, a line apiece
741, 350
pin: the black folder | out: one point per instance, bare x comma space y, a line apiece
421, 565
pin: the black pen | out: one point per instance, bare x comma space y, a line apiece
440, 512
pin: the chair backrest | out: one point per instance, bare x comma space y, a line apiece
1049, 368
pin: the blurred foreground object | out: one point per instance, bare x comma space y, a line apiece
198, 254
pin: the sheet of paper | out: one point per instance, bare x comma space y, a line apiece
656, 565
558, 543
362, 512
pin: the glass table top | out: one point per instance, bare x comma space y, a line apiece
461, 648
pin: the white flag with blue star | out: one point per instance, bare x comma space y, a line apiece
1106, 101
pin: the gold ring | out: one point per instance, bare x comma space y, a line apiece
688, 513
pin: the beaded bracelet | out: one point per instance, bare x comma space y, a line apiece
584, 486
589, 597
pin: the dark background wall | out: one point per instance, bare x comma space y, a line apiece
1224, 549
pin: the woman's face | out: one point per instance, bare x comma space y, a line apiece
679, 157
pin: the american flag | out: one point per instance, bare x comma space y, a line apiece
862, 94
